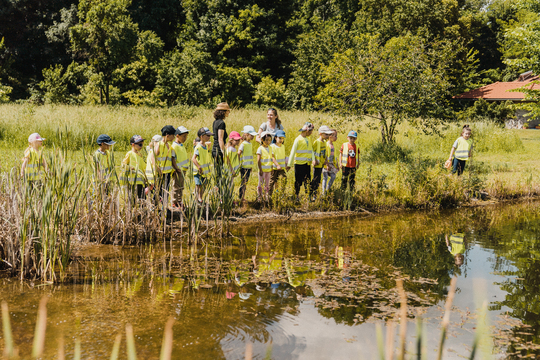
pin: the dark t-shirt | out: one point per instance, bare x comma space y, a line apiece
219, 124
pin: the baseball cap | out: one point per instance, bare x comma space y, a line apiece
35, 137
157, 138
235, 135
280, 133
264, 133
248, 129
105, 139
307, 126
204, 131
168, 130
353, 134
325, 130
181, 130
135, 139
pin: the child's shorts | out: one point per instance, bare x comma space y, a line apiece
200, 180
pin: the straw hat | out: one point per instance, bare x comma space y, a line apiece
223, 106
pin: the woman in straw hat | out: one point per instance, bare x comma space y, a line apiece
220, 134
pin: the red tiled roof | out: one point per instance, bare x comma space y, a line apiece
499, 91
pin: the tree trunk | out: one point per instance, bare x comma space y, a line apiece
101, 95
107, 92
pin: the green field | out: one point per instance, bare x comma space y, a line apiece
407, 175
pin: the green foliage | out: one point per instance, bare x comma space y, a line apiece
387, 153
495, 111
4, 93
271, 93
389, 83
236, 85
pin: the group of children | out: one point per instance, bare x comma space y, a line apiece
167, 162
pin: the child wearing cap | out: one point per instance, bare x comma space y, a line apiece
245, 153
103, 158
201, 162
319, 150
349, 161
182, 161
279, 158
332, 164
151, 169
134, 176
264, 163
33, 164
166, 158
302, 157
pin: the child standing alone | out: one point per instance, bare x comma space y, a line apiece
33, 163
349, 161
461, 150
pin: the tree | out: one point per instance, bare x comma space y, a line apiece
106, 36
389, 83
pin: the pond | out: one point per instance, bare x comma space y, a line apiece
300, 289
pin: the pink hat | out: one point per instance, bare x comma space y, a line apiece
35, 137
235, 135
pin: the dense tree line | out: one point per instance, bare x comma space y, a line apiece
285, 53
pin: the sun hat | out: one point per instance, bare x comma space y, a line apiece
35, 137
265, 133
135, 139
307, 126
105, 139
204, 131
157, 138
235, 135
248, 129
280, 133
325, 130
353, 134
223, 106
168, 130
181, 130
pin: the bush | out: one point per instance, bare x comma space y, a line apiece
4, 93
271, 93
387, 153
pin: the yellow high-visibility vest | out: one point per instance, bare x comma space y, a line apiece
304, 151
319, 148
232, 155
203, 159
182, 160
345, 154
463, 148
103, 161
151, 171
247, 155
134, 169
34, 167
266, 158
333, 159
458, 244
164, 159
278, 152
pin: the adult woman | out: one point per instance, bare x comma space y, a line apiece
220, 132
272, 124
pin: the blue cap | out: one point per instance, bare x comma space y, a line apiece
105, 139
280, 133
353, 134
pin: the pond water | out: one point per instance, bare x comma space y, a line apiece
306, 289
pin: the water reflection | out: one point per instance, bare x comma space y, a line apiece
247, 290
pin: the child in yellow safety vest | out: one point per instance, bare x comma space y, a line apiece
332, 162
201, 162
182, 161
232, 161
151, 168
103, 159
33, 164
461, 151
319, 150
134, 167
279, 157
245, 153
165, 159
456, 246
264, 163
302, 157
349, 161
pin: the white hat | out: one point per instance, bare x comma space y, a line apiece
157, 138
264, 133
325, 130
248, 129
181, 130
35, 137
